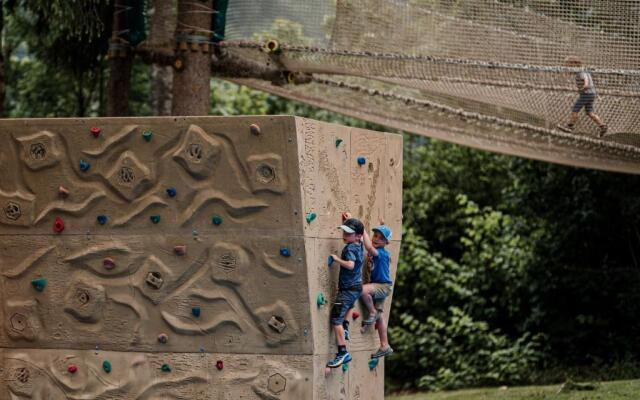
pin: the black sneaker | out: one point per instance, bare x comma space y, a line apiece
566, 128
603, 130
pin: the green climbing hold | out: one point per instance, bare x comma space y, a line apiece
320, 300
345, 367
373, 363
39, 284
216, 220
166, 368
155, 219
106, 366
338, 141
146, 135
310, 217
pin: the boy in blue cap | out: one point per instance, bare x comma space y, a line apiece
349, 284
374, 293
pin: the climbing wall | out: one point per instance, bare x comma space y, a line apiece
183, 257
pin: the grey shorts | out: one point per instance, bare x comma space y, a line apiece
585, 100
380, 292
344, 301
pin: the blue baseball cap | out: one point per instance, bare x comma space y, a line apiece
384, 230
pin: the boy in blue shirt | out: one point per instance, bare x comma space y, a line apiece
349, 284
380, 287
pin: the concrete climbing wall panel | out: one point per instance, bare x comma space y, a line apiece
186, 253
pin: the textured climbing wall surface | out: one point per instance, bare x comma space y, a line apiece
181, 257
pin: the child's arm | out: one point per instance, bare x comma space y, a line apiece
348, 264
368, 245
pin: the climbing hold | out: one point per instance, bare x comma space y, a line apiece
39, 284
180, 250
171, 192
345, 367
216, 220
254, 129
163, 338
345, 216
330, 260
146, 135
320, 300
373, 363
84, 166
106, 366
310, 217
155, 219
165, 368
58, 225
284, 252
272, 46
108, 263
95, 131
63, 192
219, 365
277, 323
355, 315
338, 141
72, 368
102, 219
362, 160
195, 311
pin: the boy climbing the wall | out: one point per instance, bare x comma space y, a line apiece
380, 287
586, 99
349, 284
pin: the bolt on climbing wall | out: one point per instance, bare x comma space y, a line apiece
183, 257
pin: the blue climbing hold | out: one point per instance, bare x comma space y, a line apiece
155, 219
373, 363
362, 160
171, 192
330, 260
195, 311
84, 166
39, 284
102, 219
216, 220
284, 252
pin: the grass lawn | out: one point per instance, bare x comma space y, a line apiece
618, 390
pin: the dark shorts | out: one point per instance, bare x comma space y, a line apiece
585, 100
345, 299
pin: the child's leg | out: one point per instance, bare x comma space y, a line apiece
367, 299
573, 118
339, 331
382, 332
595, 118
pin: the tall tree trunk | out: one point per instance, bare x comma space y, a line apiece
120, 62
2, 72
191, 83
161, 35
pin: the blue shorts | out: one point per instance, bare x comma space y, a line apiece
585, 100
345, 299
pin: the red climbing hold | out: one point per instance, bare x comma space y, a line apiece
72, 368
180, 250
355, 315
108, 263
58, 225
219, 365
95, 131
63, 192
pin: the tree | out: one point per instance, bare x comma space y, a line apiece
161, 35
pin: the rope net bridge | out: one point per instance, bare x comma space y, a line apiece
485, 73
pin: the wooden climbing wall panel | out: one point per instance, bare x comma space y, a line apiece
182, 257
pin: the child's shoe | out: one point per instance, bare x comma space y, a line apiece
566, 128
603, 130
382, 353
372, 319
341, 358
